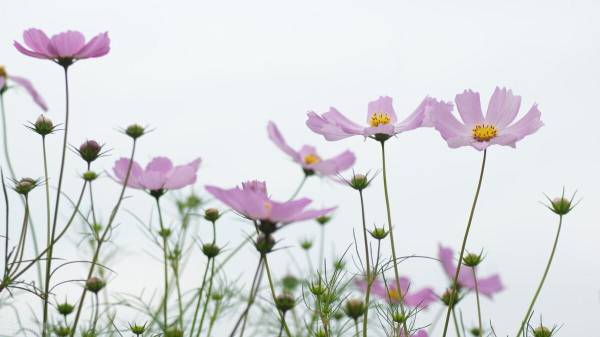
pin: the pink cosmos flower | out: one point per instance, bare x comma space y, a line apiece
488, 286
381, 120
308, 158
420, 333
415, 299
159, 175
496, 127
23, 82
63, 48
252, 201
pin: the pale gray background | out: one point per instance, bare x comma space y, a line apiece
209, 75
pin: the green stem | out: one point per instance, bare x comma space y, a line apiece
392, 241
165, 265
256, 280
478, 301
272, 287
49, 241
178, 287
539, 288
208, 294
200, 292
213, 317
299, 187
456, 326
369, 276
464, 243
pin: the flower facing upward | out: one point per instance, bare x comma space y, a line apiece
381, 119
415, 299
251, 201
22, 82
158, 176
488, 286
308, 158
63, 48
496, 127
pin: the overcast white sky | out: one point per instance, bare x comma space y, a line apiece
210, 74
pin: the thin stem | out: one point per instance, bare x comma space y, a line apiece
456, 326
256, 280
357, 333
321, 248
272, 287
49, 241
539, 288
391, 227
478, 301
299, 187
178, 288
165, 265
369, 276
200, 292
213, 317
464, 243
208, 294
11, 170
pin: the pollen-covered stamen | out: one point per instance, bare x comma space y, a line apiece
379, 118
2, 71
394, 295
311, 159
484, 132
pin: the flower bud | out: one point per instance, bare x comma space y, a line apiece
338, 315
90, 176
94, 284
135, 131
164, 232
217, 296
323, 219
285, 302
560, 205
359, 182
210, 250
476, 332
43, 126
211, 214
267, 227
472, 260
62, 331
398, 317
316, 288
264, 244
65, 308
137, 329
339, 265
450, 295
379, 233
25, 185
290, 283
173, 332
306, 244
354, 308
90, 150
542, 331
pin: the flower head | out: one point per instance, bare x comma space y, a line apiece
496, 127
251, 201
382, 122
308, 158
159, 175
21, 82
415, 299
63, 48
487, 286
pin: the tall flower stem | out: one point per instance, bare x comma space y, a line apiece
369, 276
464, 244
539, 288
210, 282
391, 227
272, 287
200, 293
251, 297
299, 187
478, 301
49, 242
165, 265
102, 238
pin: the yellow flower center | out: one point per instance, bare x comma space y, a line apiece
2, 71
379, 118
484, 132
311, 159
394, 294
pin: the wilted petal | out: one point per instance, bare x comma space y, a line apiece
469, 107
30, 90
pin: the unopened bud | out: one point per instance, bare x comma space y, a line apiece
354, 308
94, 284
264, 244
135, 131
90, 150
211, 214
285, 302
210, 250
379, 233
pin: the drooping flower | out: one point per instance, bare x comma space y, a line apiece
416, 299
308, 158
381, 119
63, 48
252, 201
22, 82
159, 175
487, 286
496, 127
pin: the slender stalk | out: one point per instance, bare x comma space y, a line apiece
208, 293
251, 297
478, 301
213, 317
357, 333
456, 326
321, 248
539, 288
392, 241
101, 240
464, 243
166, 266
200, 292
178, 288
299, 187
22, 238
49, 241
369, 276
272, 287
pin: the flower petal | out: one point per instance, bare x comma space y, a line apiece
418, 118
120, 170
489, 286
67, 44
183, 175
25, 83
160, 164
420, 299
344, 123
276, 137
449, 127
334, 165
310, 214
2, 82
383, 105
503, 108
28, 52
469, 107
526, 126
39, 43
96, 47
